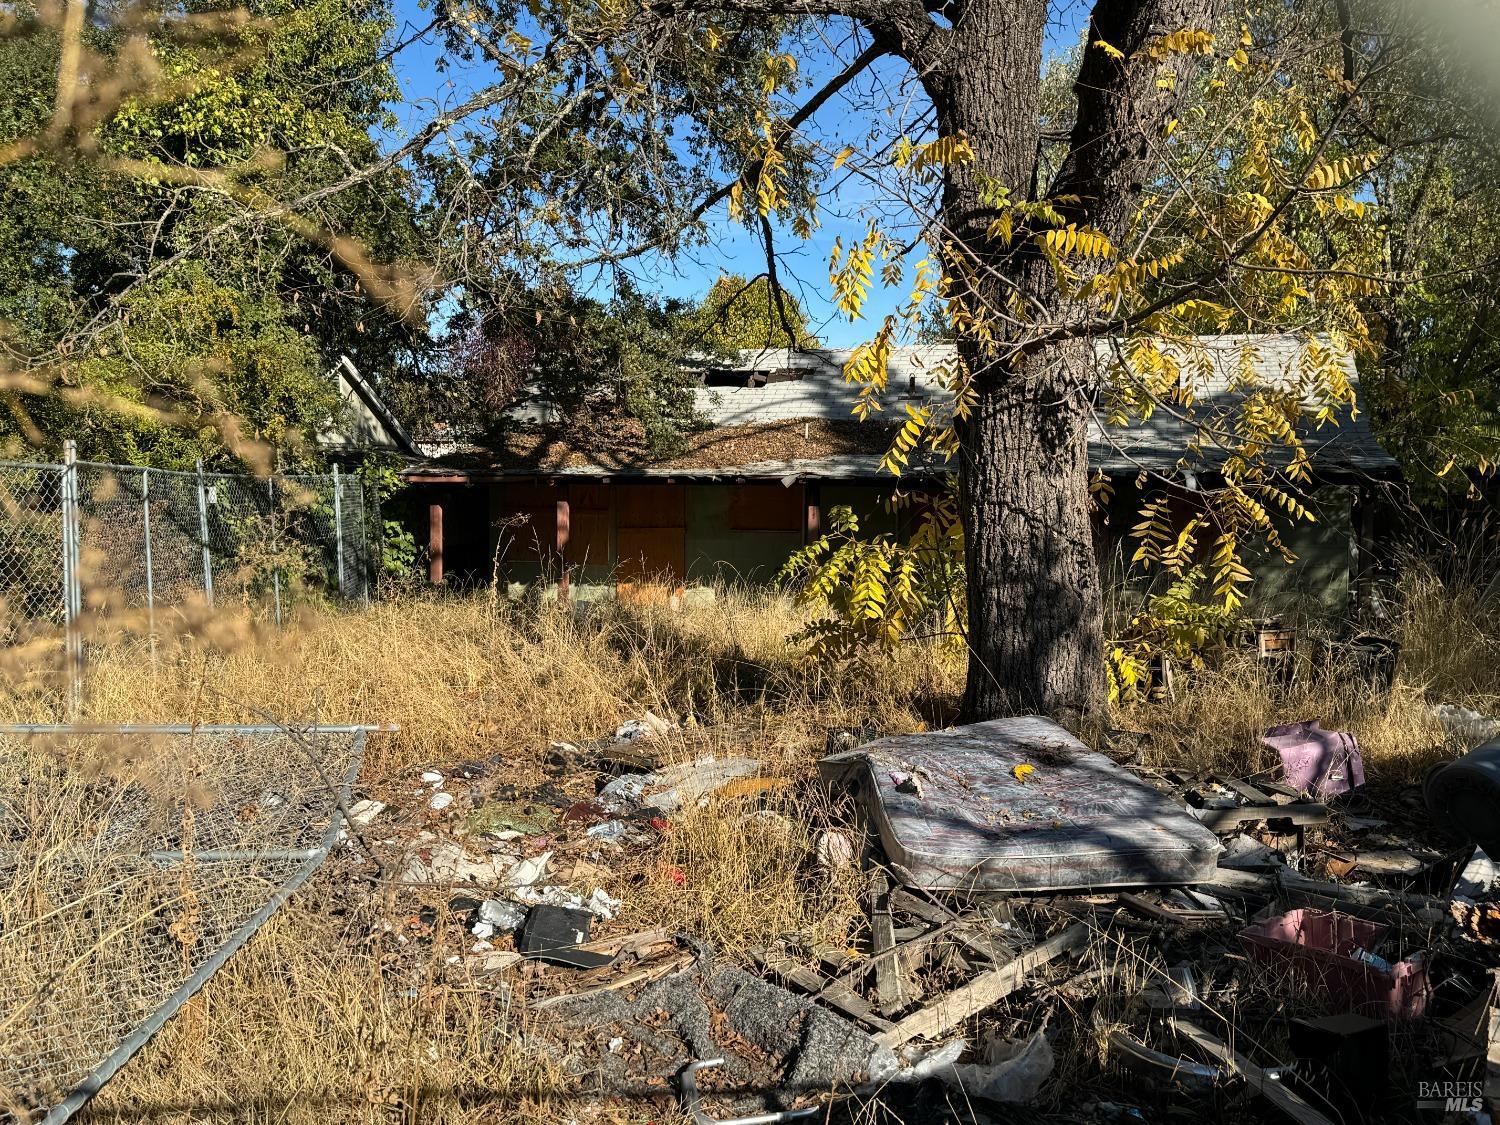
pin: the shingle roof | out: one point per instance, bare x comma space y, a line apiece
819, 394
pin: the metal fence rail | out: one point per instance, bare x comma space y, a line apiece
82, 540
137, 861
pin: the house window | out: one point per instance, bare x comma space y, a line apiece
765, 507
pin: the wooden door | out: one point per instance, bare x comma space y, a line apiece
650, 536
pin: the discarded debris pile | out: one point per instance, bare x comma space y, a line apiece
1256, 938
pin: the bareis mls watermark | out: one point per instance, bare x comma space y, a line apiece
1451, 1096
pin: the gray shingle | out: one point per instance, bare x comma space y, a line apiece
1210, 366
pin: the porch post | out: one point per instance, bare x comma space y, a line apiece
435, 542
564, 520
812, 500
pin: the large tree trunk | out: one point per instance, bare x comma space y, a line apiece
1035, 606
1036, 618
1035, 622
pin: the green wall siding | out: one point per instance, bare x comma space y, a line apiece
715, 551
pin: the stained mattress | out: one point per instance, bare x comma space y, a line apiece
959, 809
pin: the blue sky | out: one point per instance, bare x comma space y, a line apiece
802, 265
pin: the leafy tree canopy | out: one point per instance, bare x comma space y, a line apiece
173, 330
751, 314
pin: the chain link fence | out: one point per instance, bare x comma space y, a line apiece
81, 539
136, 861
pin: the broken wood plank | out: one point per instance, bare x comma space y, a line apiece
1256, 1078
952, 1008
643, 975
888, 982
833, 993
1302, 814
1377, 905
637, 944
1232, 881
1143, 906
1244, 789
982, 943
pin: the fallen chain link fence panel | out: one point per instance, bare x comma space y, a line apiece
134, 861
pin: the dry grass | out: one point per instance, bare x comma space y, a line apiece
309, 1024
1450, 652
467, 677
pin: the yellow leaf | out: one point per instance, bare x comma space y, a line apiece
844, 154
1110, 50
1023, 771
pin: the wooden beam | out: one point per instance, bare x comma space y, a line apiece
834, 993
883, 942
985, 947
1257, 1079
435, 542
985, 990
1303, 813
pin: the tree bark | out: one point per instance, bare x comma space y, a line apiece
1036, 622
1035, 613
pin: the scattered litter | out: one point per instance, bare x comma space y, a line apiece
1479, 879
1245, 853
1011, 1070
554, 933
496, 915
446, 862
672, 787
1322, 762
1080, 821
1325, 948
835, 850
1159, 1067
647, 726
908, 783
602, 905
432, 778
440, 801
363, 813
616, 1044
624, 792
923, 1063
510, 819
529, 871
609, 830
1466, 723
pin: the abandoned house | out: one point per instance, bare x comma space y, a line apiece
780, 449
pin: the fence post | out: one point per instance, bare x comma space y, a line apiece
72, 583
338, 528
275, 546
150, 573
208, 561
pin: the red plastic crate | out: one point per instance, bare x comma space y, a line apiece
1316, 945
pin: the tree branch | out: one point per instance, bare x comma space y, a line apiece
752, 170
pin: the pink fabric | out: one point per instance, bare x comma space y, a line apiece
1322, 762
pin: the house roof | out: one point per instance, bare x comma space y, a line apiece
370, 423
800, 425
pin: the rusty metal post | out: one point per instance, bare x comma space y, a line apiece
435, 542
